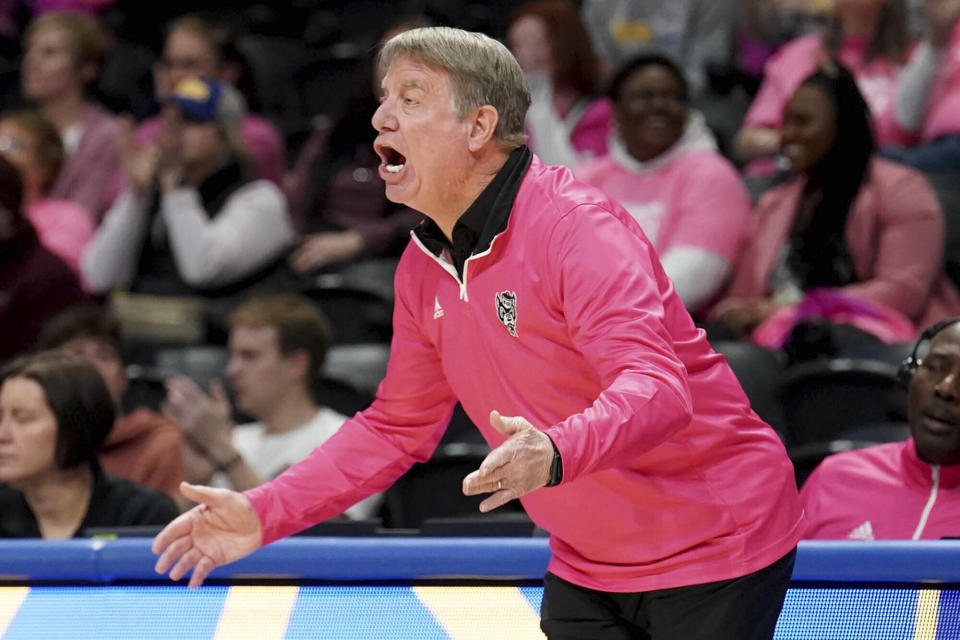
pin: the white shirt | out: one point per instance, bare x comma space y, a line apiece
270, 454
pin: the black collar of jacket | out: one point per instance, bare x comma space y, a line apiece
485, 218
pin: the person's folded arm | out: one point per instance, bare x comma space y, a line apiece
111, 256
913, 92
252, 229
706, 230
910, 247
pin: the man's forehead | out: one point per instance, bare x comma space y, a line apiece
406, 71
249, 335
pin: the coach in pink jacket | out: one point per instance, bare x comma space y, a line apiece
901, 490
533, 296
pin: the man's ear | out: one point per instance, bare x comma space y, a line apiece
299, 362
482, 127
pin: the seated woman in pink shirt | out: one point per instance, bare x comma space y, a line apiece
663, 167
927, 111
861, 227
200, 46
567, 122
867, 36
31, 143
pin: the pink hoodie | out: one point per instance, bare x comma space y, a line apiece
669, 478
883, 492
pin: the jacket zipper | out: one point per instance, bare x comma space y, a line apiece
452, 270
935, 474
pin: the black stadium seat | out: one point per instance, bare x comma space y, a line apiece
824, 398
947, 186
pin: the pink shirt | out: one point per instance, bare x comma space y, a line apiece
790, 66
883, 492
64, 227
894, 234
669, 478
590, 133
89, 175
263, 141
688, 200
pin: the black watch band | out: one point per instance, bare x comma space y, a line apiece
556, 468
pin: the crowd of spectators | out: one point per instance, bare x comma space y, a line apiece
819, 210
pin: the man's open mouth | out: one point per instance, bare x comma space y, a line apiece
394, 161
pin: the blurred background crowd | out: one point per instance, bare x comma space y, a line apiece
195, 247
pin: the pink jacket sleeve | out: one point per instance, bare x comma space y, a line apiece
909, 244
372, 449
617, 318
783, 73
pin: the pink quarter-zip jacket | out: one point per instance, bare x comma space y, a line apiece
567, 319
884, 492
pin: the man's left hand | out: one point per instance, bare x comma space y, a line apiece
515, 468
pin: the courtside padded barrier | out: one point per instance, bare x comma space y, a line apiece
383, 559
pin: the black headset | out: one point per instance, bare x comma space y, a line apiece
909, 365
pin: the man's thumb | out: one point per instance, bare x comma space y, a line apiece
209, 496
505, 425
217, 391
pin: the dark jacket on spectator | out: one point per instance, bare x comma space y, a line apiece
35, 285
114, 502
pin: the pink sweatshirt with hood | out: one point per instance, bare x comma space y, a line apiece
567, 319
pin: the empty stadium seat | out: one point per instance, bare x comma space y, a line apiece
823, 398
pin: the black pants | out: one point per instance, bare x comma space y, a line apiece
743, 608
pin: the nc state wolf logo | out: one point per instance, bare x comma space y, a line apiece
507, 310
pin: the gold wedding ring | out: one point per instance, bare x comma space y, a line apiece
499, 485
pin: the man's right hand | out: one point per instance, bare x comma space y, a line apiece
206, 419
222, 528
139, 161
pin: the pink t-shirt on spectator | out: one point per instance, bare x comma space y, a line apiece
690, 200
797, 60
263, 141
64, 228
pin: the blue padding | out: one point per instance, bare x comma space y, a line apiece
400, 558
384, 558
928, 561
36, 559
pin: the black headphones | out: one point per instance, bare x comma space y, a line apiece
909, 365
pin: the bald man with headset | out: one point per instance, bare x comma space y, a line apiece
901, 490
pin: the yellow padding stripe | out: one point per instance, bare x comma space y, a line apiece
10, 600
259, 613
480, 613
927, 616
